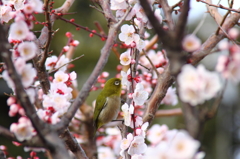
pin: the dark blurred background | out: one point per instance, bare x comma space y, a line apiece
221, 135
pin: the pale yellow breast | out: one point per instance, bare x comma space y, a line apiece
111, 110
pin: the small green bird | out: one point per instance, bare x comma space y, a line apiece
108, 103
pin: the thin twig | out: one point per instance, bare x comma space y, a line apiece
150, 61
226, 34
168, 112
144, 67
200, 24
94, 7
224, 18
213, 40
82, 27
66, 64
176, 5
49, 26
219, 6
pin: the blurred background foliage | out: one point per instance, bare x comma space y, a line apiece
221, 135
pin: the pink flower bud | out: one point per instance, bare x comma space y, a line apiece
133, 45
130, 95
21, 111
133, 61
65, 48
105, 74
233, 33
75, 43
68, 34
11, 100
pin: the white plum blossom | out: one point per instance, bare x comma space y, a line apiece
105, 153
18, 4
60, 77
127, 113
191, 43
137, 146
138, 122
31, 94
28, 74
125, 81
140, 14
58, 98
118, 4
137, 157
27, 50
113, 131
223, 45
200, 155
140, 95
57, 101
157, 58
47, 116
18, 31
127, 34
172, 144
19, 64
229, 70
212, 82
125, 143
140, 44
37, 5
23, 130
157, 152
28, 8
183, 146
157, 133
73, 75
197, 85
125, 58
170, 97
62, 89
19, 16
7, 78
6, 13
51, 62
62, 61
142, 131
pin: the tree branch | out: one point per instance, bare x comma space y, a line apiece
48, 137
73, 145
163, 83
213, 40
168, 112
219, 6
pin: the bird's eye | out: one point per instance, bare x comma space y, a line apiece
116, 83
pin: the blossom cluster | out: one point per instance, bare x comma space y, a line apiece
57, 101
139, 74
169, 144
197, 85
25, 48
142, 81
229, 65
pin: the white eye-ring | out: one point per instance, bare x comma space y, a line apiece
116, 83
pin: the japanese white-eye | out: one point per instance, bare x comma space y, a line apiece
108, 103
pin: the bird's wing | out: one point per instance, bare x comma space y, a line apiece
100, 104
